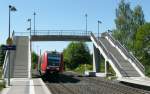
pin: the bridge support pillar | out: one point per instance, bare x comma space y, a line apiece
106, 67
96, 59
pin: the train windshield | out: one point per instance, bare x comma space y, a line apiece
54, 59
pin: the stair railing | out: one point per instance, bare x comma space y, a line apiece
5, 65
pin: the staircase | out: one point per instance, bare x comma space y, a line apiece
127, 68
21, 63
123, 63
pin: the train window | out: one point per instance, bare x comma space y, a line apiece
54, 59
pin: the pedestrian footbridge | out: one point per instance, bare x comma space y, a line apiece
125, 65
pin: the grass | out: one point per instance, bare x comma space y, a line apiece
82, 68
2, 85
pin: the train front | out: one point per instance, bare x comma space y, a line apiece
54, 62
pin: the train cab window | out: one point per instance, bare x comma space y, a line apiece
54, 59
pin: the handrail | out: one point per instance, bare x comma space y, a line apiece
109, 55
124, 50
55, 32
136, 60
5, 64
133, 58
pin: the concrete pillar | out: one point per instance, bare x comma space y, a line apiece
106, 67
96, 59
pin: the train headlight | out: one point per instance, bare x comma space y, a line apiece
57, 68
47, 68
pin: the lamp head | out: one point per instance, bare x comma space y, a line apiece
99, 21
34, 13
12, 8
29, 20
86, 15
28, 28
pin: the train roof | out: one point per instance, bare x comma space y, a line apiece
53, 52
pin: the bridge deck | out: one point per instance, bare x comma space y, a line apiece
60, 38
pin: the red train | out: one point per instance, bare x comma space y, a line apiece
51, 62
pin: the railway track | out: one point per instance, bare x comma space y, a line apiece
89, 85
117, 88
60, 89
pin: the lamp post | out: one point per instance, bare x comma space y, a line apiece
86, 23
29, 20
34, 22
11, 8
99, 22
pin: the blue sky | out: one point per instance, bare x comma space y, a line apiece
62, 14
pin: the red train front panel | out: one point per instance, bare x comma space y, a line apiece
52, 62
44, 63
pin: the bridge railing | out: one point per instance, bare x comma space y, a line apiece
55, 32
126, 52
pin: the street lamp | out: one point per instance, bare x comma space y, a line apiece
86, 22
34, 22
29, 20
11, 8
99, 22
109, 31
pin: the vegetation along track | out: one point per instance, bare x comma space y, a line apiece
69, 83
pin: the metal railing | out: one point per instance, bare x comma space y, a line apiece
109, 55
126, 52
5, 65
55, 32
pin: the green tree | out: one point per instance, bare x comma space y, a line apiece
75, 54
143, 38
34, 59
138, 16
123, 21
127, 22
138, 19
142, 45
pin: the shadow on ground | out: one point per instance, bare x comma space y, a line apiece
59, 78
65, 77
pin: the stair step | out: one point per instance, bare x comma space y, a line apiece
20, 71
20, 66
20, 76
